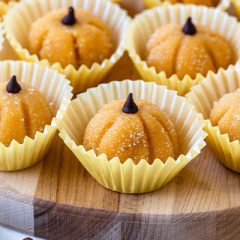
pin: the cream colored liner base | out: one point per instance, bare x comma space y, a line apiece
223, 5
127, 177
146, 23
203, 97
18, 20
57, 92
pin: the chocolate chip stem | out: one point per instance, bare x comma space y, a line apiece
130, 106
13, 86
189, 28
70, 18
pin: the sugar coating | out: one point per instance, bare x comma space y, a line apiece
209, 3
226, 115
170, 50
22, 114
147, 134
86, 42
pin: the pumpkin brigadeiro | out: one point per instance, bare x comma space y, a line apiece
188, 50
24, 111
226, 115
132, 130
209, 3
71, 37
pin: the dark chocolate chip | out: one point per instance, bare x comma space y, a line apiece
189, 28
70, 18
130, 106
13, 86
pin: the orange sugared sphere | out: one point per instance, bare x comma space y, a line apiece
70, 37
24, 111
137, 131
226, 115
188, 50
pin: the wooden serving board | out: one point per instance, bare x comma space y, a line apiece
58, 199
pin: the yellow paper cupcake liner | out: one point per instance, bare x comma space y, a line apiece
223, 5
127, 177
4, 6
203, 97
19, 19
57, 92
1, 38
146, 23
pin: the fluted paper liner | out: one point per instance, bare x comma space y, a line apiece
127, 177
1, 37
5, 6
57, 92
18, 20
146, 23
203, 97
223, 5
3, 9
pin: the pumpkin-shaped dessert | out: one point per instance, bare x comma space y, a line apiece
226, 115
188, 51
209, 3
132, 130
24, 111
73, 37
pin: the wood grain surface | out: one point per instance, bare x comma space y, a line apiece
58, 199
